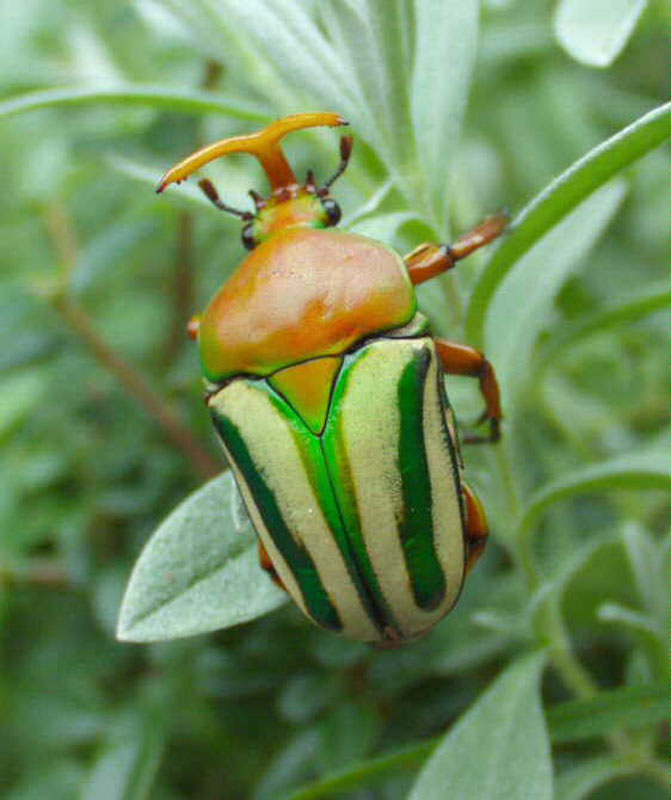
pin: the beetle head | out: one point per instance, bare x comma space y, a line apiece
289, 204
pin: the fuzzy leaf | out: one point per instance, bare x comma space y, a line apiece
596, 32
199, 572
486, 755
625, 708
648, 470
557, 200
447, 32
188, 101
522, 306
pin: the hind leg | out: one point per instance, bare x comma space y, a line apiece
477, 530
267, 565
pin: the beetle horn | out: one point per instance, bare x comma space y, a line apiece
264, 145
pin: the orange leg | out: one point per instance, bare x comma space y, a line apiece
267, 565
192, 326
476, 528
429, 260
460, 359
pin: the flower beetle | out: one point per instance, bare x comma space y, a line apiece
326, 390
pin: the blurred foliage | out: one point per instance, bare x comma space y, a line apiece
104, 431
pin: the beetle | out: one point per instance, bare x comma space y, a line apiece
325, 387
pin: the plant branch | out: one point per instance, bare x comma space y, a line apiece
63, 236
136, 386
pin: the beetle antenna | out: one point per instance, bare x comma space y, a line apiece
346, 145
212, 195
259, 201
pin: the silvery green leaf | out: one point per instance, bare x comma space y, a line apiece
199, 572
445, 50
595, 32
486, 755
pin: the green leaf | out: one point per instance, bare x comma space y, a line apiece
628, 707
286, 35
596, 32
373, 37
653, 639
498, 749
365, 773
648, 560
632, 309
440, 88
521, 308
648, 470
199, 572
188, 101
580, 781
557, 200
127, 765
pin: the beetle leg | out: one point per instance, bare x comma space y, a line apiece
267, 565
429, 260
477, 530
207, 188
192, 326
460, 359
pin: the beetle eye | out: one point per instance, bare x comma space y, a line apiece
248, 239
333, 211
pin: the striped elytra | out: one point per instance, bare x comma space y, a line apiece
363, 519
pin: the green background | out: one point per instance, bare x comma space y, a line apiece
549, 677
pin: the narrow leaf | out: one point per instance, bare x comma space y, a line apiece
185, 100
558, 199
365, 773
372, 37
630, 310
445, 48
648, 470
522, 306
127, 765
291, 41
199, 572
625, 708
580, 781
498, 749
561, 724
596, 32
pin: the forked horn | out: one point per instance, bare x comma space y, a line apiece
264, 145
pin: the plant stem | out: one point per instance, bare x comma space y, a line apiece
182, 286
63, 236
137, 386
551, 631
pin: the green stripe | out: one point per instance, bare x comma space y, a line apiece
337, 464
312, 458
416, 527
452, 446
303, 568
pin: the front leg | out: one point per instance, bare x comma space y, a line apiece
460, 359
429, 260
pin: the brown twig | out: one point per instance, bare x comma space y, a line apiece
183, 283
48, 572
183, 287
133, 381
137, 386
